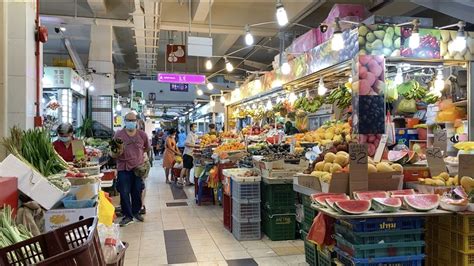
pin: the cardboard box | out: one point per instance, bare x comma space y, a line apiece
31, 183
56, 218
340, 182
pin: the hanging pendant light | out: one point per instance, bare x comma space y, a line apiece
439, 81
210, 86
199, 92
228, 65
282, 17
337, 41
248, 36
208, 64
399, 76
321, 88
414, 40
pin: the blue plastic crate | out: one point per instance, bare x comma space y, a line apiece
375, 237
383, 224
344, 258
70, 202
380, 249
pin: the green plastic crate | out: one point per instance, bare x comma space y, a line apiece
279, 226
306, 200
308, 217
310, 252
324, 257
278, 198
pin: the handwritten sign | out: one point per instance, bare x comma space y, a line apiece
466, 165
78, 149
358, 175
380, 148
441, 140
436, 163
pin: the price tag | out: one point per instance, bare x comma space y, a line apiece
436, 163
358, 174
441, 140
380, 148
466, 165
78, 149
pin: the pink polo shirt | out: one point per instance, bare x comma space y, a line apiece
134, 147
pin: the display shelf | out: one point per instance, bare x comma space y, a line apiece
372, 214
302, 189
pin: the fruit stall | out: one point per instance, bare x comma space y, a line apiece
379, 131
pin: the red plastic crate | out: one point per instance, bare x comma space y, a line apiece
9, 192
227, 204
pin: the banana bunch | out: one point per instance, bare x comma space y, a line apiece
341, 96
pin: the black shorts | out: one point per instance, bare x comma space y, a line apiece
188, 161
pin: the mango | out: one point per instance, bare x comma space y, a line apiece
384, 167
397, 167
379, 34
371, 169
363, 30
467, 183
370, 37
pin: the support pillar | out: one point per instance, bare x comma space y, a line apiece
100, 59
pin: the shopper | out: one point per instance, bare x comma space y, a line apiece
212, 129
63, 145
129, 185
181, 140
155, 143
170, 153
188, 159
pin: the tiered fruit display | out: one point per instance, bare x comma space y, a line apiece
336, 132
333, 163
443, 179
379, 40
447, 46
207, 140
226, 147
228, 135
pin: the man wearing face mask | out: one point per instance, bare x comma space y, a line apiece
129, 185
63, 144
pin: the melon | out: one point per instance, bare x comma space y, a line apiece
386, 204
321, 201
368, 195
422, 202
353, 206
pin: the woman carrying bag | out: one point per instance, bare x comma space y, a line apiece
171, 150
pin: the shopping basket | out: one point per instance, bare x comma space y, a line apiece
74, 244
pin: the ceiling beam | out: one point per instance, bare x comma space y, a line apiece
57, 19
98, 7
200, 10
458, 9
216, 29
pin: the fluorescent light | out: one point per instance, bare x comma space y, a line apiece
414, 40
285, 66
399, 77
208, 64
321, 88
62, 28
337, 41
87, 84
210, 86
228, 65
222, 99
118, 107
91, 88
199, 92
281, 15
248, 36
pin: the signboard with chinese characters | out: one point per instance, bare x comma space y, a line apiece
182, 78
179, 87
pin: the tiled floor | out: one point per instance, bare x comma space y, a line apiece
195, 235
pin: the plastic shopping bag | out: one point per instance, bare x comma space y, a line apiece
106, 210
322, 230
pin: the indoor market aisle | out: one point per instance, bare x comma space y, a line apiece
195, 235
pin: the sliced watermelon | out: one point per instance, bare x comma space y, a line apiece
386, 204
353, 206
330, 202
315, 196
321, 201
402, 192
422, 202
400, 157
369, 195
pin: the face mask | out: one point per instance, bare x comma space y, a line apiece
130, 124
64, 139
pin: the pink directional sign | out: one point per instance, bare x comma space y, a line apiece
181, 78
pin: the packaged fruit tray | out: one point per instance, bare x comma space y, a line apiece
375, 237
347, 260
383, 224
380, 249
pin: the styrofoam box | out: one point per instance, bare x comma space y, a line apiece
31, 183
56, 218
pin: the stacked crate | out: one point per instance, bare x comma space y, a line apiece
385, 241
245, 193
308, 213
279, 210
450, 240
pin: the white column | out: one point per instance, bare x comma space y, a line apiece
100, 59
21, 63
3, 74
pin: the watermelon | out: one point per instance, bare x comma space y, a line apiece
369, 195
321, 201
352, 206
422, 202
386, 204
330, 202
401, 157
402, 192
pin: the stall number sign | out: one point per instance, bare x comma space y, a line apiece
436, 163
358, 174
441, 140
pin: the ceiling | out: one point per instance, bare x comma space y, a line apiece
143, 28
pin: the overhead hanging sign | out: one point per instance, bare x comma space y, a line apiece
179, 87
182, 78
176, 54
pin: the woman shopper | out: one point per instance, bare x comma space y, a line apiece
170, 153
63, 145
